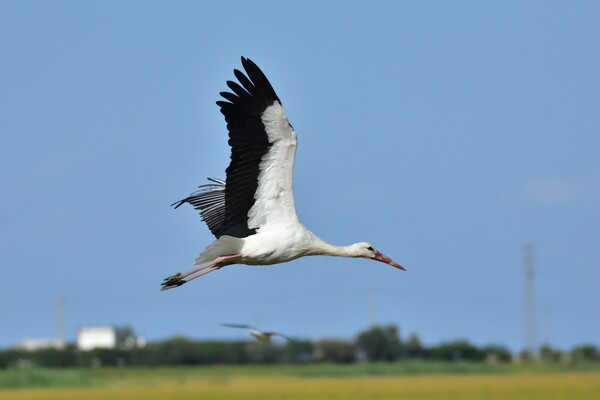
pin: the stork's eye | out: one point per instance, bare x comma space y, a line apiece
370, 248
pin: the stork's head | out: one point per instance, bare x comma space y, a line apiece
366, 250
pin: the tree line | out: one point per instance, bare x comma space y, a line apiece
377, 343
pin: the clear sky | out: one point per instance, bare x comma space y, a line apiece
447, 134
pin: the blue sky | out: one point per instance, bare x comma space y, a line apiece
447, 134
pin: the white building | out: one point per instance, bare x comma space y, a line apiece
38, 344
92, 337
108, 337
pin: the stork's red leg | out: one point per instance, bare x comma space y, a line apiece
179, 278
206, 271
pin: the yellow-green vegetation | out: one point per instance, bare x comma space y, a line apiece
101, 377
523, 386
409, 380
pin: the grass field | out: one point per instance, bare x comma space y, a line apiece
297, 382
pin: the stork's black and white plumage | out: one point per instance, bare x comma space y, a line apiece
252, 213
261, 336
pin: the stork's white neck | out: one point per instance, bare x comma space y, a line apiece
322, 248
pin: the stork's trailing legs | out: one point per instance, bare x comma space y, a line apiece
179, 279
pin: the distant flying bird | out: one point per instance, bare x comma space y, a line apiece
252, 213
261, 336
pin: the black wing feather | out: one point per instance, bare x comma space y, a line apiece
249, 143
224, 206
210, 202
246, 83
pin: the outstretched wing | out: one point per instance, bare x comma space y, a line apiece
263, 147
210, 202
239, 326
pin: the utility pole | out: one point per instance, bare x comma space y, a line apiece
60, 321
370, 307
547, 326
529, 320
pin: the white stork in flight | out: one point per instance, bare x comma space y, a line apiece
252, 213
261, 336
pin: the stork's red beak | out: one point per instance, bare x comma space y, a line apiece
387, 260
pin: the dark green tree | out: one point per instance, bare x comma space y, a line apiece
586, 352
497, 353
413, 348
380, 343
549, 354
455, 351
336, 351
298, 351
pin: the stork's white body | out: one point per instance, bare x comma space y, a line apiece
267, 247
280, 236
253, 214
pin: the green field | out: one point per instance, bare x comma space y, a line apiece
367, 381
